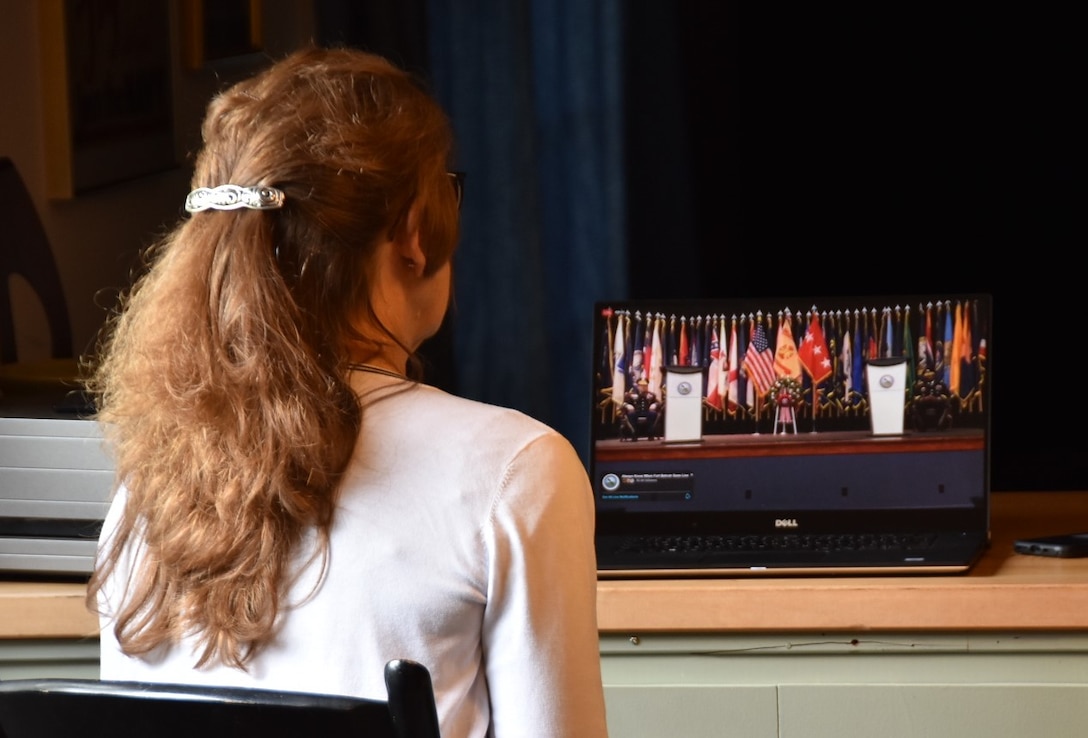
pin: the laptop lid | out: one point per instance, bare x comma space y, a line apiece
791, 435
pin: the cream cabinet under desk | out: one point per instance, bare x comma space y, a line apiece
1000, 651
843, 685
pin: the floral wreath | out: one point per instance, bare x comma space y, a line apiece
786, 391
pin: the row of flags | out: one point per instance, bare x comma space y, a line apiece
745, 355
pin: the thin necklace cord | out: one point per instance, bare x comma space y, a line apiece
375, 370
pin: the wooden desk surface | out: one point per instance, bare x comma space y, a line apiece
1003, 592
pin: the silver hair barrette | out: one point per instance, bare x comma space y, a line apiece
233, 197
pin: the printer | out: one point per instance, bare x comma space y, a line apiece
56, 480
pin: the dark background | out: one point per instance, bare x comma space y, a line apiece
868, 148
777, 149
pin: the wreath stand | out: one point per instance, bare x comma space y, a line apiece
786, 392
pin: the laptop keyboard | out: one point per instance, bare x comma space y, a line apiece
779, 543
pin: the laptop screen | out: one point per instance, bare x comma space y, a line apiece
816, 414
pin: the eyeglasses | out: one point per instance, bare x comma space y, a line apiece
457, 179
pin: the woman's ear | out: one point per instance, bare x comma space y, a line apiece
408, 248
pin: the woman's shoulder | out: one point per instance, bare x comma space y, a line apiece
500, 427
487, 416
475, 442
452, 424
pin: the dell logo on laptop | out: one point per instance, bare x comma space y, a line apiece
785, 522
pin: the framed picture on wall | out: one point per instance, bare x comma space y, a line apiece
107, 92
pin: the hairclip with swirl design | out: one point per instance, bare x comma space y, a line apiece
233, 197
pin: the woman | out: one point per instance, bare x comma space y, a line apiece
293, 511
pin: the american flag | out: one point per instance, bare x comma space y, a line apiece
759, 361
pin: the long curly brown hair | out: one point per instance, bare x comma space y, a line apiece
220, 379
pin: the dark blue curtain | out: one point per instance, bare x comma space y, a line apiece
534, 91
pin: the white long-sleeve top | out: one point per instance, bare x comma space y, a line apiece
463, 540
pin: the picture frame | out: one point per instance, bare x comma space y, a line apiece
107, 92
215, 30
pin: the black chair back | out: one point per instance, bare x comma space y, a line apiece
88, 708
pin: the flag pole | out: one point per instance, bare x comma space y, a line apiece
815, 388
758, 394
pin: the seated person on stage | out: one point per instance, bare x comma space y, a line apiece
641, 413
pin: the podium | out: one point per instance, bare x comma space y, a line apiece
683, 404
887, 383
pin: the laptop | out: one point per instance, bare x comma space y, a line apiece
787, 436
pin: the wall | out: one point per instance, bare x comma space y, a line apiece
96, 237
